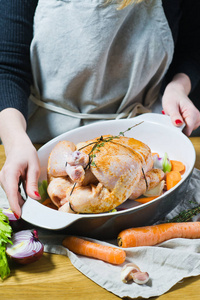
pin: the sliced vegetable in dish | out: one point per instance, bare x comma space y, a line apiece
145, 199
172, 178
162, 163
178, 166
157, 191
49, 204
43, 190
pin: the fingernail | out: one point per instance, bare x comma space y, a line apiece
163, 112
37, 194
16, 216
178, 122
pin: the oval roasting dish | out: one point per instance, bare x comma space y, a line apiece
161, 136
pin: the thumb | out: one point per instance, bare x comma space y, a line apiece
175, 116
32, 183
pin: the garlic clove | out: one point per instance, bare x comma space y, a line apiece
132, 272
127, 270
140, 277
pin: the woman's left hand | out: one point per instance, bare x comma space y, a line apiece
178, 106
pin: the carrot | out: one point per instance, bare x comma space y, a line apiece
172, 178
155, 234
80, 246
155, 153
49, 203
178, 166
145, 199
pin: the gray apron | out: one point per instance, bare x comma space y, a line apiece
93, 62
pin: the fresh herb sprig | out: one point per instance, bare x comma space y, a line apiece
100, 142
5, 235
186, 215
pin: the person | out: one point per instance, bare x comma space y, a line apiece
84, 61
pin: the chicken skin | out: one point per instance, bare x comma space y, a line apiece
100, 174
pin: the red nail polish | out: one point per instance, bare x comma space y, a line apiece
16, 216
37, 194
178, 122
163, 112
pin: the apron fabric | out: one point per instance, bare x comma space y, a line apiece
93, 62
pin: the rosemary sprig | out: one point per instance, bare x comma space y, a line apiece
186, 215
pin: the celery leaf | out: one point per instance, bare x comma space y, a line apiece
5, 235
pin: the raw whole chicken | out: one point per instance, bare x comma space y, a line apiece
100, 174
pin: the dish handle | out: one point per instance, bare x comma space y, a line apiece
160, 120
40, 215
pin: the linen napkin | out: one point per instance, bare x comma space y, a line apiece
167, 263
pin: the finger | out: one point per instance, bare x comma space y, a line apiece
33, 174
175, 115
192, 122
9, 182
13, 196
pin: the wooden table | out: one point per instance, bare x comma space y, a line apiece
54, 277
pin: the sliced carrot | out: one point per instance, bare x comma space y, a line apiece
80, 246
172, 178
178, 166
145, 199
49, 203
155, 234
155, 153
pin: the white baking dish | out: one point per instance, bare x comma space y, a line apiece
161, 136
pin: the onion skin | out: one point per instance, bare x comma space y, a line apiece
30, 259
15, 223
26, 247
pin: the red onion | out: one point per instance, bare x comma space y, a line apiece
15, 223
162, 163
26, 247
8, 212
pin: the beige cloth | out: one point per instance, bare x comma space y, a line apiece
167, 263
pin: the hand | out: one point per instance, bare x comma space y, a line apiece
178, 106
22, 161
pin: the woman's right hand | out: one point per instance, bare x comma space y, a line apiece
22, 163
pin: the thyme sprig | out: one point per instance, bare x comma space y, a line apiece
186, 215
100, 142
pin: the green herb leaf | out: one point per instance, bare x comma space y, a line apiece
5, 235
166, 164
121, 133
43, 190
113, 210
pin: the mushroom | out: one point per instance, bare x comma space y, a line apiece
132, 272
